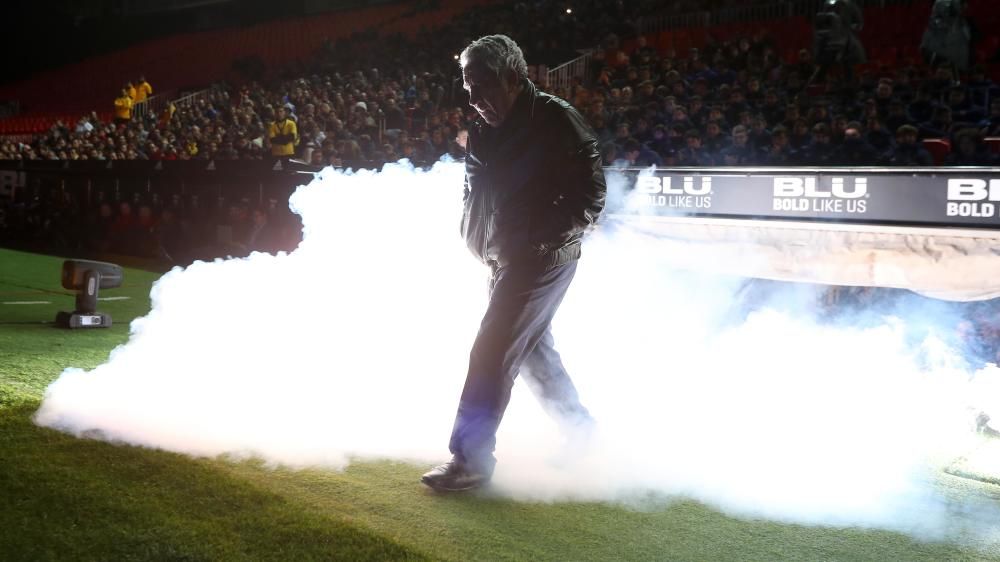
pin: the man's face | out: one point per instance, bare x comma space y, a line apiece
490, 96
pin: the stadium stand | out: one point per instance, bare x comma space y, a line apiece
377, 84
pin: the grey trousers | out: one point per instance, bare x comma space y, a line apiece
515, 338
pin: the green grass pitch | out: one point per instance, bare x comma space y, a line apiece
64, 498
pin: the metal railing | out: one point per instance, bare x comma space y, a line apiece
190, 99
562, 76
152, 105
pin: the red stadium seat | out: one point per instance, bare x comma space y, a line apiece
939, 148
993, 143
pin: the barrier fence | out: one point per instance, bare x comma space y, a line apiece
562, 76
965, 197
152, 105
929, 230
87, 183
962, 197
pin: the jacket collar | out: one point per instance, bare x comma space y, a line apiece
524, 105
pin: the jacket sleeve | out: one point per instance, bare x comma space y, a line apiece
579, 187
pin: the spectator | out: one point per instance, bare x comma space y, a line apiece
609, 155
714, 140
908, 150
395, 119
460, 144
772, 108
661, 143
780, 152
884, 96
991, 125
921, 108
962, 110
939, 126
693, 154
83, 126
819, 151
622, 134
854, 150
759, 136
800, 136
878, 136
896, 116
969, 150
738, 153
639, 156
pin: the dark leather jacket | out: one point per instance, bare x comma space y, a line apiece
533, 185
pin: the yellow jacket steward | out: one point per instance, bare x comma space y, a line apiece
123, 107
143, 91
284, 136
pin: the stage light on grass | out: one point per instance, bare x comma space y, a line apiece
88, 277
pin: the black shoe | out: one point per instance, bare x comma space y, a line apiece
454, 476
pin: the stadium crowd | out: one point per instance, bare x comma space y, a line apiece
732, 102
369, 100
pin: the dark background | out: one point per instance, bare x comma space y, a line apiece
43, 34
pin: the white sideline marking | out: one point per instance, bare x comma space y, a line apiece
27, 302
113, 298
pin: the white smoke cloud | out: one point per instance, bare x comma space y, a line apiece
355, 345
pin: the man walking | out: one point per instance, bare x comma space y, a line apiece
534, 185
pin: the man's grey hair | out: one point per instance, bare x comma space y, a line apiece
498, 53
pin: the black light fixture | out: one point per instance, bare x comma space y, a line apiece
87, 278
